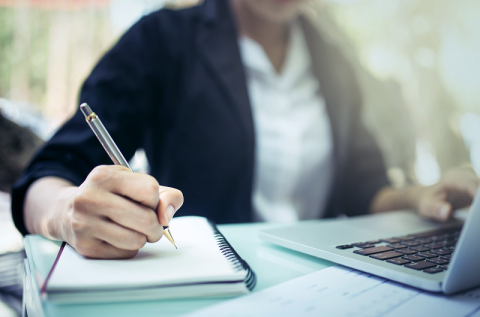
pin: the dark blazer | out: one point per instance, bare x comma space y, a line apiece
175, 85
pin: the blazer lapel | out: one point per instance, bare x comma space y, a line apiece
217, 42
331, 86
328, 72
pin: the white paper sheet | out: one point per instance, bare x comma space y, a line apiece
340, 291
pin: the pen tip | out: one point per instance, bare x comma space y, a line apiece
176, 248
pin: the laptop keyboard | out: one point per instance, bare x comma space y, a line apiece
429, 252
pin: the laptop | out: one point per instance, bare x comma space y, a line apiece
400, 246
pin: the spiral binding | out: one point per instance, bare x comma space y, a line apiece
229, 252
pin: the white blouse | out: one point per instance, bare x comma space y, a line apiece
294, 148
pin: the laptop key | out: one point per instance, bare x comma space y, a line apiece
406, 251
413, 258
441, 251
398, 261
373, 250
424, 241
386, 255
427, 255
433, 270
449, 243
410, 243
391, 240
440, 237
405, 238
443, 267
365, 246
438, 261
396, 246
420, 249
345, 246
421, 265
358, 244
433, 245
374, 241
447, 257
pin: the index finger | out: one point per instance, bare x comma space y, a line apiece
470, 186
119, 180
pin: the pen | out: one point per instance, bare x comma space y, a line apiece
112, 150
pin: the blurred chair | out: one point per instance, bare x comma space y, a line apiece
17, 146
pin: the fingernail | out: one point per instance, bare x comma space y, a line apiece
169, 213
444, 211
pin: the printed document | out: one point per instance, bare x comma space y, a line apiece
341, 291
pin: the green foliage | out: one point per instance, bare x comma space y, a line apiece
6, 52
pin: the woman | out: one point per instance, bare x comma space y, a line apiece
239, 104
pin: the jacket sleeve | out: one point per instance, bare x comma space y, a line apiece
122, 90
365, 172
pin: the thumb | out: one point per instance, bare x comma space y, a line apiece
165, 214
170, 200
436, 208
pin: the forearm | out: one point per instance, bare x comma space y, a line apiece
46, 204
389, 198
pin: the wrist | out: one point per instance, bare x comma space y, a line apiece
58, 222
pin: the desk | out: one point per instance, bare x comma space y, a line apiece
272, 264
12, 240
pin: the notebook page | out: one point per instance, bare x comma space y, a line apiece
198, 259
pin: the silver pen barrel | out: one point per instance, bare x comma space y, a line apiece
103, 136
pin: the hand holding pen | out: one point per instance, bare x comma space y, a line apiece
110, 215
117, 157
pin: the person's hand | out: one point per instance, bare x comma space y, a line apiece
455, 190
115, 212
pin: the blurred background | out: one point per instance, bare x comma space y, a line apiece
418, 63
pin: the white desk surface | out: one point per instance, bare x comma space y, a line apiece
272, 265
11, 240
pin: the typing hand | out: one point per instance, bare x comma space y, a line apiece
115, 212
455, 190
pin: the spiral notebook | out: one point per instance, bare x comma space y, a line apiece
204, 265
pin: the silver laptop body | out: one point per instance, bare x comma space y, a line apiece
320, 238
